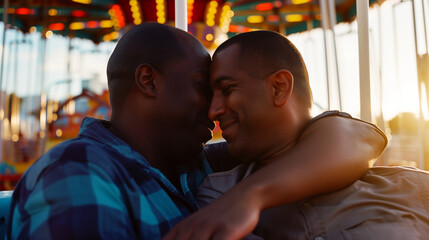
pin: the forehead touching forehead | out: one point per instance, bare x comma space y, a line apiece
155, 44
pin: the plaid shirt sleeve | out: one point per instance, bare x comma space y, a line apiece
69, 198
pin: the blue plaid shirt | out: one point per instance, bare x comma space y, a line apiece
97, 187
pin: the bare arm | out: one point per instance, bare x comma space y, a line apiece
332, 153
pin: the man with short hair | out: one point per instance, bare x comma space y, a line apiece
262, 99
134, 177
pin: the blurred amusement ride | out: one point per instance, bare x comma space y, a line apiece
50, 111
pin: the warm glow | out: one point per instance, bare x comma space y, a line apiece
82, 1
50, 112
225, 18
160, 11
78, 13
110, 36
42, 134
114, 35
273, 18
15, 138
42, 119
56, 26
294, 18
33, 29
255, 19
24, 11
49, 34
209, 37
190, 10
59, 132
77, 25
264, 6
106, 24
161, 20
211, 13
117, 17
296, 2
92, 24
52, 12
135, 10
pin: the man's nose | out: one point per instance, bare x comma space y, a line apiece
217, 107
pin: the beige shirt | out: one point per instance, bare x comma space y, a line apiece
387, 203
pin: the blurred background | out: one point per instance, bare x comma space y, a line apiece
54, 55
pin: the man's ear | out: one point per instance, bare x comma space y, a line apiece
282, 85
145, 79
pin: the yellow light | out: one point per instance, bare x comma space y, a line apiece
114, 35
71, 107
137, 21
136, 15
33, 29
161, 20
42, 134
296, 2
1, 114
111, 12
77, 25
213, 4
52, 12
190, 1
226, 8
159, 1
230, 14
49, 34
15, 138
209, 37
210, 23
106, 24
59, 132
160, 14
135, 8
218, 41
82, 1
160, 7
294, 18
255, 19
107, 38
212, 10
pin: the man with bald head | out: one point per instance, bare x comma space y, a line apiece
134, 177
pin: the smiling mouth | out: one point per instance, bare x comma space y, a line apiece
226, 127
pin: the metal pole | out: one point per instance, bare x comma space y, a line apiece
324, 13
5, 18
181, 15
364, 66
426, 81
333, 20
3, 96
380, 123
419, 82
424, 25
